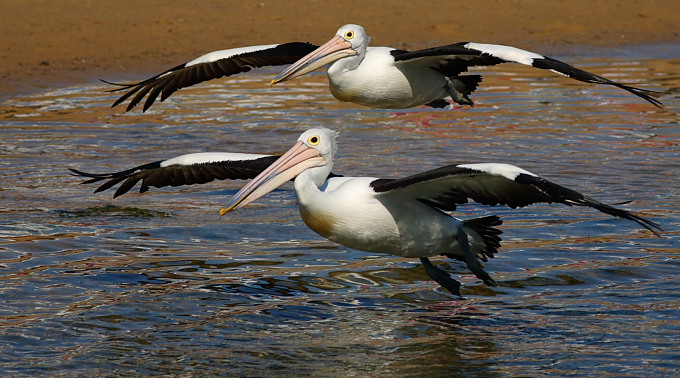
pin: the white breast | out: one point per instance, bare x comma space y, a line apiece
379, 82
347, 211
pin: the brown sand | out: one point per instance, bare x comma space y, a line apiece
47, 42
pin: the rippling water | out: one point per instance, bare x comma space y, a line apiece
159, 285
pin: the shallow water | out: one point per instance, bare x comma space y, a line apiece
159, 285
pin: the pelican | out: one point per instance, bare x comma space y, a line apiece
407, 217
377, 77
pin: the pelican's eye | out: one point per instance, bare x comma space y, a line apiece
313, 140
349, 35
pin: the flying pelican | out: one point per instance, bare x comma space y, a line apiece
378, 77
404, 217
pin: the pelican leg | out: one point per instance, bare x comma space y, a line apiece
471, 260
456, 92
441, 277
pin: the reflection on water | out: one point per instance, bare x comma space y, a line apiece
159, 285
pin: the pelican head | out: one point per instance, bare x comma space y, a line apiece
350, 40
313, 151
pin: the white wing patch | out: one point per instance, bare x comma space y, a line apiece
209, 157
229, 53
506, 170
509, 53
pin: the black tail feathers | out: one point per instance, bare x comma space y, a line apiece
484, 226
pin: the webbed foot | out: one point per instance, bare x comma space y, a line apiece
460, 94
441, 277
471, 260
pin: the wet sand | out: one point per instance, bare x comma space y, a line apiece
48, 43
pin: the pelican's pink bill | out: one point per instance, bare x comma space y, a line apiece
329, 52
286, 168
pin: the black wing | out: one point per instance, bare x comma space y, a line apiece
451, 60
210, 66
188, 169
492, 184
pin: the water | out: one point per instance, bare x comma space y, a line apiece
159, 285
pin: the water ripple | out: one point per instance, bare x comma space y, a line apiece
159, 285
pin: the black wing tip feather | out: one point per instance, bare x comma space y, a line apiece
133, 88
144, 85
650, 225
99, 176
115, 177
121, 86
561, 194
572, 72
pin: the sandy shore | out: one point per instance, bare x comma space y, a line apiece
47, 43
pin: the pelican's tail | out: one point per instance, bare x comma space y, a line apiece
466, 84
484, 227
459, 88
